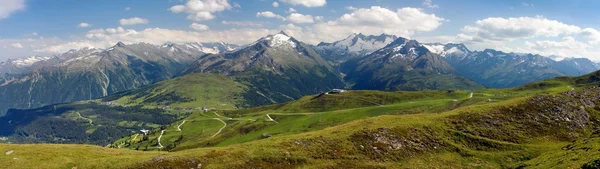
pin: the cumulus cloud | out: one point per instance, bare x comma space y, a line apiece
504, 29
537, 35
104, 38
351, 8
275, 4
242, 23
269, 14
83, 25
199, 27
200, 10
16, 45
429, 4
133, 21
9, 7
377, 20
300, 18
307, 3
567, 47
592, 35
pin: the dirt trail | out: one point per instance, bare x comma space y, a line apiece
225, 125
89, 120
161, 134
271, 119
179, 127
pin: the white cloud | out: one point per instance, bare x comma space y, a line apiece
199, 27
201, 16
351, 8
592, 35
567, 47
103, 38
429, 4
9, 7
83, 25
300, 18
200, 10
16, 45
127, 8
319, 18
242, 23
505, 29
377, 20
269, 14
307, 3
536, 35
133, 21
275, 4
291, 10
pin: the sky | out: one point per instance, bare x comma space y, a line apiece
547, 27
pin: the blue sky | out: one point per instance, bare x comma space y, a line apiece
547, 27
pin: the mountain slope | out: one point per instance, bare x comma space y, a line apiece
105, 120
556, 127
278, 67
355, 45
92, 73
403, 65
498, 69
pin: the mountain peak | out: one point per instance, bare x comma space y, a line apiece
279, 39
282, 33
120, 44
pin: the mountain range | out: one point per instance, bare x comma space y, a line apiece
92, 73
497, 69
276, 68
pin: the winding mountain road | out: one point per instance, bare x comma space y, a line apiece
136, 135
89, 120
179, 127
161, 134
225, 125
271, 119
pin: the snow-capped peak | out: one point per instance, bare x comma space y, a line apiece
23, 62
280, 39
361, 43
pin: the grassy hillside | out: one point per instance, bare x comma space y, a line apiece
106, 120
518, 132
547, 124
307, 114
188, 91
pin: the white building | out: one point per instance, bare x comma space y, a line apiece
337, 91
145, 131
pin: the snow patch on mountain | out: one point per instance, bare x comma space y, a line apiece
280, 39
29, 61
436, 48
357, 43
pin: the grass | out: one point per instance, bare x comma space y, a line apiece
496, 128
201, 89
312, 113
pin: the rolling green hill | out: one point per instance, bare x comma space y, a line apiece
548, 124
105, 120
